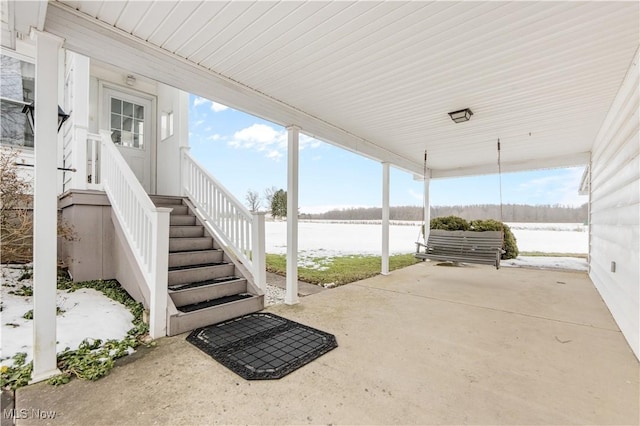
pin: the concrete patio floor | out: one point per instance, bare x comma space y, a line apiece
425, 345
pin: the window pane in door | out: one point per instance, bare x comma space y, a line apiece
127, 109
127, 124
139, 112
127, 139
116, 105
116, 122
116, 137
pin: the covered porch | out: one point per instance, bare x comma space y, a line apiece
378, 79
428, 345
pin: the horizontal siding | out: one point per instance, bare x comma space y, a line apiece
615, 209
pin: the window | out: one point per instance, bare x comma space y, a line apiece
127, 123
17, 85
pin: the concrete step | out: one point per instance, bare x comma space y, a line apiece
195, 257
203, 291
187, 321
182, 220
190, 244
165, 199
179, 231
176, 208
201, 273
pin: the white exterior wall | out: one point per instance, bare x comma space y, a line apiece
116, 78
165, 152
615, 210
175, 102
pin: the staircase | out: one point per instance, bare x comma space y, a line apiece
205, 285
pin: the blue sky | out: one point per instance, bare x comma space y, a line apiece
246, 153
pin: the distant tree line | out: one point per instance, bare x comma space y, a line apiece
510, 213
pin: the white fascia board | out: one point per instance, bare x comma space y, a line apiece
100, 41
572, 160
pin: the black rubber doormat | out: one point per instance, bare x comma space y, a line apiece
262, 346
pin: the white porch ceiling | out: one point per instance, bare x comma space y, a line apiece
380, 77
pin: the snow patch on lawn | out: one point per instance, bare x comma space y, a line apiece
88, 314
542, 262
342, 238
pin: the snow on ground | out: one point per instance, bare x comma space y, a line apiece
551, 237
572, 263
326, 239
88, 314
319, 241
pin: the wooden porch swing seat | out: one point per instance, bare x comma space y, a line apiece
482, 247
462, 246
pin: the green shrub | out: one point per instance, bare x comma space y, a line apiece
509, 245
449, 223
455, 223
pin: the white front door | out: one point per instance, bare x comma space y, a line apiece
129, 117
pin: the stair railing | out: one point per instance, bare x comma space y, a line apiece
145, 226
236, 227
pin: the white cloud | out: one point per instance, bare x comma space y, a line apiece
214, 137
264, 138
560, 188
275, 155
199, 101
415, 194
216, 107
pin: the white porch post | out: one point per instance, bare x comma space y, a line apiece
258, 257
158, 295
184, 173
385, 219
80, 108
291, 294
45, 209
427, 208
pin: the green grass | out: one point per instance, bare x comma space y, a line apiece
553, 254
339, 270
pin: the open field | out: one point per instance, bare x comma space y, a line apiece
325, 238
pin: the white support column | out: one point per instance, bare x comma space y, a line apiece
291, 294
80, 108
184, 175
385, 219
158, 295
427, 208
45, 206
258, 257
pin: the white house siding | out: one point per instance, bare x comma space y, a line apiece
175, 102
615, 209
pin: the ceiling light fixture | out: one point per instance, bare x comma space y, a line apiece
461, 115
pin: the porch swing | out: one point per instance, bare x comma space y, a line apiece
480, 247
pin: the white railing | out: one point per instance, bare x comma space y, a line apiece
146, 227
241, 231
